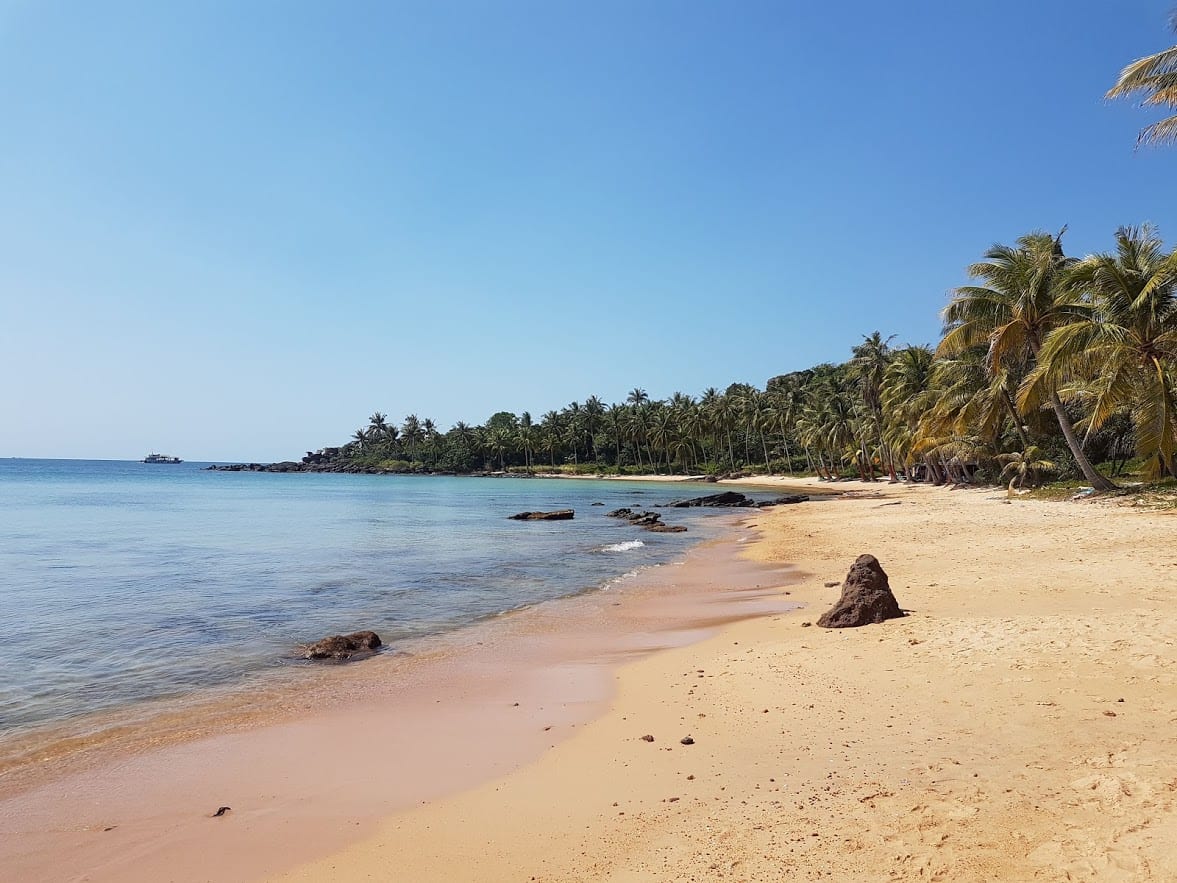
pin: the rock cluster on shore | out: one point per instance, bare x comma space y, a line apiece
734, 500
651, 521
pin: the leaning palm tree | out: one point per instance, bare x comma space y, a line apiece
1125, 342
1019, 300
1154, 78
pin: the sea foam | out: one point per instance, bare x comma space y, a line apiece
623, 547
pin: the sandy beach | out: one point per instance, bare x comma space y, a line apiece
1017, 725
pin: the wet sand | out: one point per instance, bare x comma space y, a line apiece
310, 772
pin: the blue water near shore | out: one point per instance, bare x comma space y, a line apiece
122, 582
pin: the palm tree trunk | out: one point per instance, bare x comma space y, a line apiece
1098, 481
1013, 413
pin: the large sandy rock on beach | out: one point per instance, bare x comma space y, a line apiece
343, 646
866, 597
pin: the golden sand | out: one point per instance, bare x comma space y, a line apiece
1018, 725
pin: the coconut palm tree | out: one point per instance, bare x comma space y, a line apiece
866, 370
413, 434
1024, 466
1019, 300
1125, 341
787, 397
615, 416
527, 434
594, 414
903, 398
663, 432
498, 440
378, 423
1154, 79
431, 437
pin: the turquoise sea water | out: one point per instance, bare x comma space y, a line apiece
122, 582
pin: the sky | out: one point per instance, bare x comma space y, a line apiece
233, 229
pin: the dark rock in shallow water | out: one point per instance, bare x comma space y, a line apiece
651, 521
866, 597
558, 515
725, 500
784, 501
343, 646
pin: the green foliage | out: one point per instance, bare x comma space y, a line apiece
1047, 366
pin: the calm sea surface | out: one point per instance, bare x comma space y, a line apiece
122, 582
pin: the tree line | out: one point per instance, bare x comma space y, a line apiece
1048, 364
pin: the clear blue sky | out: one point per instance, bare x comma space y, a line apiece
232, 230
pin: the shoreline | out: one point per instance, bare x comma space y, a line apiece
140, 815
1016, 725
66, 743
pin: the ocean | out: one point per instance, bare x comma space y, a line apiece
124, 583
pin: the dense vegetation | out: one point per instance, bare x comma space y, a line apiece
1048, 365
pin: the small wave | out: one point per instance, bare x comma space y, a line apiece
623, 547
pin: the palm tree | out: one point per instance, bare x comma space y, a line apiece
377, 423
499, 441
1125, 339
431, 437
594, 412
786, 404
549, 440
867, 367
663, 432
526, 438
1024, 466
574, 428
1154, 77
413, 434
637, 418
388, 439
1019, 302
723, 412
615, 416
467, 440
904, 398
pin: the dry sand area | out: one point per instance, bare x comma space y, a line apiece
1019, 724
